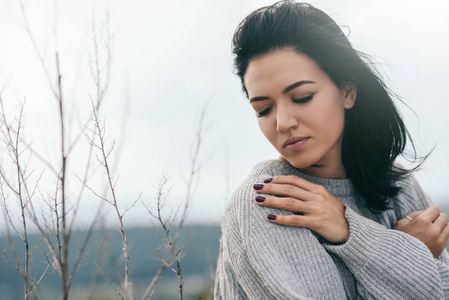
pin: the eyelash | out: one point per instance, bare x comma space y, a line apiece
302, 100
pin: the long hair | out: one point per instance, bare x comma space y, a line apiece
374, 132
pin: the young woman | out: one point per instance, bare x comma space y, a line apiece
334, 217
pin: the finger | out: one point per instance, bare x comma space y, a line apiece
289, 220
441, 242
401, 223
290, 204
430, 214
292, 180
441, 221
445, 234
407, 219
415, 214
286, 190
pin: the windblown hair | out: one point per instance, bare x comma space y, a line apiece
374, 132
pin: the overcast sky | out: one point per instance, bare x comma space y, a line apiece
170, 58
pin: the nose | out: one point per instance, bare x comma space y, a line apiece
286, 118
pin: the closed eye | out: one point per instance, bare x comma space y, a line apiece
264, 112
303, 100
300, 100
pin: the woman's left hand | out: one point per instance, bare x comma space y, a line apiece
322, 212
429, 226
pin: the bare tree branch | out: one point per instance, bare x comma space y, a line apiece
172, 243
12, 140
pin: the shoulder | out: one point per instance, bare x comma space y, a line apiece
272, 167
241, 199
261, 171
243, 196
242, 214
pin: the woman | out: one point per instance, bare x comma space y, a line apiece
334, 217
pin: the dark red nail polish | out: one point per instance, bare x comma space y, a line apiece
268, 180
258, 186
260, 199
271, 217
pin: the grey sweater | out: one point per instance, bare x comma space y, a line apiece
263, 260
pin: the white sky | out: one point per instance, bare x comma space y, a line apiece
172, 57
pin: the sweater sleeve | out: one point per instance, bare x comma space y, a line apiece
413, 198
226, 284
239, 277
389, 264
443, 270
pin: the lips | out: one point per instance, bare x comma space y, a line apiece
293, 140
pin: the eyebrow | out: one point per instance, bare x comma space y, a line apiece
285, 91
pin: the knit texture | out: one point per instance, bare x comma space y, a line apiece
263, 260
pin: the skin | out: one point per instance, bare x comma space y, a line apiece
314, 111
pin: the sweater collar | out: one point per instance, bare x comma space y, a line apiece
337, 187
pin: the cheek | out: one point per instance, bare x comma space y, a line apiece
268, 128
327, 118
263, 126
335, 121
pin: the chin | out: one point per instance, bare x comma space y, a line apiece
297, 162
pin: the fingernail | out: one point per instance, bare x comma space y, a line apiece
268, 180
271, 217
260, 199
258, 186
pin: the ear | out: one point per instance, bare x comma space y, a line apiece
350, 93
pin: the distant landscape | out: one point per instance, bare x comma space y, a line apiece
198, 265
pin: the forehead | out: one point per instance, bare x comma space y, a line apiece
280, 69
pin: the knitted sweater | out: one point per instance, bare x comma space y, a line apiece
263, 260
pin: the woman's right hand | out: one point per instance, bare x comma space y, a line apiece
429, 226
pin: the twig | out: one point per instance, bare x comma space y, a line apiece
172, 242
12, 140
111, 184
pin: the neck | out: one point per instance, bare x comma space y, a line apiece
331, 171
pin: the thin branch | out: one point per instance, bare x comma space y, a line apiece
77, 264
150, 289
13, 138
171, 242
